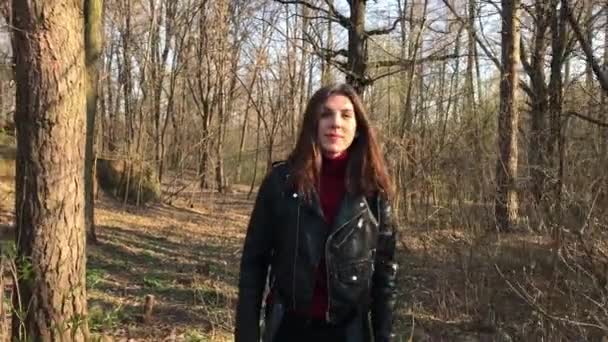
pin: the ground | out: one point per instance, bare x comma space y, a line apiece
183, 254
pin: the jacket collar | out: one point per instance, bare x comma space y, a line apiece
350, 206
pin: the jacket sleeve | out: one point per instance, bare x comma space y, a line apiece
255, 261
384, 277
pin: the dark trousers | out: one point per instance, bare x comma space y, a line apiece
296, 328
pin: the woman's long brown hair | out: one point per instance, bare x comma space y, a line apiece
366, 172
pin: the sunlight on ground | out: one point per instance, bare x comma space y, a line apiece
454, 284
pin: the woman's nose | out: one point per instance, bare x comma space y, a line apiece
336, 121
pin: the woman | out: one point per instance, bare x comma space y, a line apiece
321, 235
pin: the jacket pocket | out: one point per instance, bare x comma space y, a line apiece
356, 273
351, 227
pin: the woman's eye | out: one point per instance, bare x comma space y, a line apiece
347, 115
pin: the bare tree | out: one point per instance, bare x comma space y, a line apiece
585, 44
93, 49
357, 65
506, 203
50, 117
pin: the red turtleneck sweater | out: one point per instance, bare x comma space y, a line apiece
331, 192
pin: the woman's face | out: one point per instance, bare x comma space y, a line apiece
337, 126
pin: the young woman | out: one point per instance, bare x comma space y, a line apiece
321, 236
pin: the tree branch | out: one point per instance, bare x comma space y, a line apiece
602, 75
408, 62
385, 30
524, 57
474, 34
586, 118
344, 21
341, 19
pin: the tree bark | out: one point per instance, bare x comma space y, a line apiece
50, 222
604, 103
93, 37
539, 106
506, 202
587, 47
126, 78
326, 75
471, 105
556, 163
357, 53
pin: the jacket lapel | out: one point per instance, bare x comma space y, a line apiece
315, 203
350, 207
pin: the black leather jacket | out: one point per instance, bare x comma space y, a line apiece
289, 235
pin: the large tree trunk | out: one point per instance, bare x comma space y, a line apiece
506, 203
326, 76
357, 54
160, 124
471, 105
539, 106
126, 79
604, 103
93, 45
604, 118
112, 105
50, 223
556, 163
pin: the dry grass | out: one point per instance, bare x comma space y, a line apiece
475, 285
185, 255
455, 284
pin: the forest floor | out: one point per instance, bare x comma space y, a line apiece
454, 285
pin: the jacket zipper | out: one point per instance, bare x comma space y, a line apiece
327, 263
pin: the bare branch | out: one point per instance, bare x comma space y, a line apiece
586, 118
524, 57
520, 291
474, 34
344, 21
408, 62
341, 19
602, 75
385, 30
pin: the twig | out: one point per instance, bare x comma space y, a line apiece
523, 295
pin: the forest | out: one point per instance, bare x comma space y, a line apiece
134, 135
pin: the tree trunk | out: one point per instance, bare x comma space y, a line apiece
127, 78
539, 107
256, 158
604, 104
160, 124
244, 127
587, 18
604, 118
219, 166
357, 53
111, 127
556, 163
50, 223
471, 105
93, 48
456, 78
506, 202
326, 76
